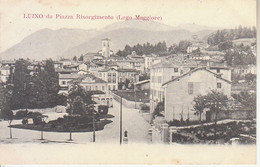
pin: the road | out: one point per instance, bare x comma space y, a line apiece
133, 122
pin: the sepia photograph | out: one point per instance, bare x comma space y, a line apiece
128, 82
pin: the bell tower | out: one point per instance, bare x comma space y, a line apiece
105, 47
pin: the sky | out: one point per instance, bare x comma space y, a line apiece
215, 13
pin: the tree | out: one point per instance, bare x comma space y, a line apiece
225, 45
75, 58
81, 58
250, 78
5, 109
38, 96
183, 45
173, 49
51, 81
78, 106
216, 101
199, 105
247, 99
158, 109
19, 88
78, 96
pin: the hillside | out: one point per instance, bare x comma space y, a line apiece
47, 43
245, 41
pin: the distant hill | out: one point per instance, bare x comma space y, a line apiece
121, 37
141, 25
195, 27
47, 43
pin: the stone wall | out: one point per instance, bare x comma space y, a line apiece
128, 103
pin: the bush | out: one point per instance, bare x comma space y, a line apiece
62, 100
103, 109
21, 114
145, 107
34, 114
25, 121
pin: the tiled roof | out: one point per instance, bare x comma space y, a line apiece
80, 78
69, 76
192, 71
127, 70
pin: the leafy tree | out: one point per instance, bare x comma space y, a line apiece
20, 86
216, 101
250, 78
183, 45
158, 109
81, 58
199, 105
5, 109
221, 36
38, 95
144, 76
75, 58
225, 45
51, 81
79, 101
78, 106
247, 99
147, 48
173, 49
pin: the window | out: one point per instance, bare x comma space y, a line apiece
96, 88
114, 74
190, 88
109, 74
114, 87
103, 87
218, 70
176, 69
63, 82
218, 85
109, 87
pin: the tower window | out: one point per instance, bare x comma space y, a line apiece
218, 85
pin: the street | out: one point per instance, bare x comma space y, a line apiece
133, 122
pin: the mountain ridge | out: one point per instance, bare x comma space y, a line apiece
68, 42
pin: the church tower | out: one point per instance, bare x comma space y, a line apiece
105, 48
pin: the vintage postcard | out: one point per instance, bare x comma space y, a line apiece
128, 82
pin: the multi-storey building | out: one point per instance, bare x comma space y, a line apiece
180, 92
167, 70
4, 73
243, 70
64, 80
130, 74
110, 75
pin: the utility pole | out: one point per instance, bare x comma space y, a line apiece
121, 121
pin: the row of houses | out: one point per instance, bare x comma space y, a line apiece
178, 80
